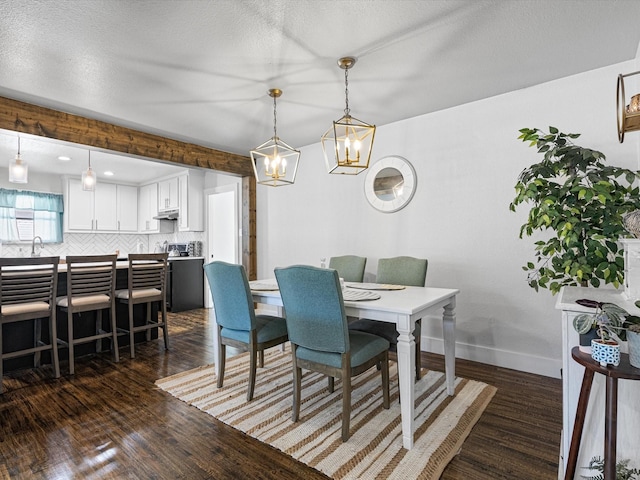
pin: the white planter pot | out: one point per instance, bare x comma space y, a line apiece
633, 341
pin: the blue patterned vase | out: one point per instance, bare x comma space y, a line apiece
605, 352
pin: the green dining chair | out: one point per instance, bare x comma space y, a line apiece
349, 267
408, 271
320, 339
238, 324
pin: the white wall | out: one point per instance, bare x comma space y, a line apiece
467, 160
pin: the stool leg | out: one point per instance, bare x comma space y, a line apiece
131, 332
114, 333
37, 338
610, 428
70, 329
578, 424
98, 328
53, 331
1, 359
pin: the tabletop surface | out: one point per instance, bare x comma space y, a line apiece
623, 371
406, 301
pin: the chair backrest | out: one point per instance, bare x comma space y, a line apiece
147, 271
91, 275
407, 271
27, 280
349, 267
314, 307
231, 295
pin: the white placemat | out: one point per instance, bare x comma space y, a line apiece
263, 286
357, 295
375, 286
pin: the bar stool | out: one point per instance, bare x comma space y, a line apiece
27, 292
147, 284
91, 285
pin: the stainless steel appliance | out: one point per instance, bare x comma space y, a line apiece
178, 249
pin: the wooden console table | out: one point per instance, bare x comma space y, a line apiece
623, 371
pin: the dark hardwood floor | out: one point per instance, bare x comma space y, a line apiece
110, 421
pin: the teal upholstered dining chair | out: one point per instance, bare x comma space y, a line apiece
320, 339
349, 267
238, 324
408, 271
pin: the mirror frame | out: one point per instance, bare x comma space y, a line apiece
409, 188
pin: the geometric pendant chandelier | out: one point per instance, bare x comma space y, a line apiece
274, 162
348, 143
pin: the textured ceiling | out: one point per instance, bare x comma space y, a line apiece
199, 71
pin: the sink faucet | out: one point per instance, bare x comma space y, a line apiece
33, 246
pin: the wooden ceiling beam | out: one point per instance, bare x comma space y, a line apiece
44, 122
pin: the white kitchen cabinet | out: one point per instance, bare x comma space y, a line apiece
78, 209
148, 208
127, 206
109, 208
168, 194
90, 210
191, 198
105, 213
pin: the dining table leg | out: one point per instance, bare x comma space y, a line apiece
449, 335
406, 351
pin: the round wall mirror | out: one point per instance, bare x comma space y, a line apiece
390, 184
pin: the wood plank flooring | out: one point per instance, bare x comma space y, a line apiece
110, 421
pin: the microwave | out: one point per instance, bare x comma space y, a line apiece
181, 248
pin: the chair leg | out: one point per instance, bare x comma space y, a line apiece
37, 339
346, 404
1, 361
222, 353
131, 332
148, 321
53, 332
98, 328
385, 381
253, 360
114, 334
297, 386
261, 358
165, 328
70, 341
331, 384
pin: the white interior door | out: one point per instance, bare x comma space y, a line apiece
223, 233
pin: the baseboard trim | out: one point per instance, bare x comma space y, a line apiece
500, 358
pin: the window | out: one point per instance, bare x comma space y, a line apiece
24, 215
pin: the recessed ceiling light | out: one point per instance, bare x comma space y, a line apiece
64, 158
108, 173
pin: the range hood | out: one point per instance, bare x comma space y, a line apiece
167, 215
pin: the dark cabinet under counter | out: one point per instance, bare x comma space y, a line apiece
185, 284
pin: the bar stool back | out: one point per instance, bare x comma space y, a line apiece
27, 292
91, 285
147, 284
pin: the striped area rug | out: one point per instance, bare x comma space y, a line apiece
374, 450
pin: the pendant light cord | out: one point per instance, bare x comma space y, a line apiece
275, 118
346, 92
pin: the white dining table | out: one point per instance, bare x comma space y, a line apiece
402, 308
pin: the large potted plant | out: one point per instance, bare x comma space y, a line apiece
580, 201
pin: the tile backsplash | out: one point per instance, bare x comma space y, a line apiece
101, 243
